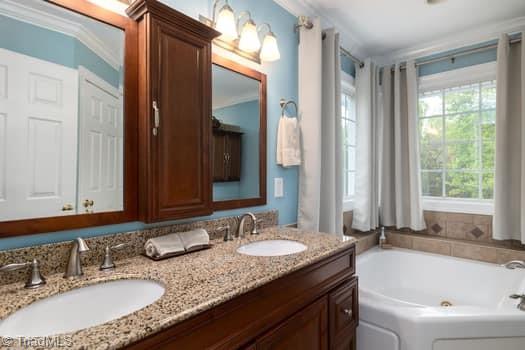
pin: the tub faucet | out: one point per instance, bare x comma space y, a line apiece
511, 265
74, 266
521, 305
240, 229
382, 240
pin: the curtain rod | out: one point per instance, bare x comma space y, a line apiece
352, 57
304, 21
453, 56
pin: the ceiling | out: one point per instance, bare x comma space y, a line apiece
383, 26
230, 88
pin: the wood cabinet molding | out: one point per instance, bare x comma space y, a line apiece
130, 212
261, 77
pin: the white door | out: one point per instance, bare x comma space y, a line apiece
38, 137
100, 177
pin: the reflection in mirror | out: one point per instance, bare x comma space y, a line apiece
236, 113
61, 112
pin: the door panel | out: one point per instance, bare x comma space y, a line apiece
306, 330
101, 134
183, 140
38, 150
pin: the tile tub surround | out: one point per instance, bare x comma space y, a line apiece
466, 249
53, 257
194, 283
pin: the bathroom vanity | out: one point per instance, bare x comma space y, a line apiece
215, 298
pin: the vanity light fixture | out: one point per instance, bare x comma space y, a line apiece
225, 21
270, 49
249, 40
242, 36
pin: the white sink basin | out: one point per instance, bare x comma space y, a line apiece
275, 247
81, 308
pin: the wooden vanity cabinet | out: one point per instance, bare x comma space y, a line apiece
226, 151
174, 69
314, 308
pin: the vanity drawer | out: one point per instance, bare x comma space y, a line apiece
343, 315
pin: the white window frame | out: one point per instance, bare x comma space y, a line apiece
439, 81
348, 87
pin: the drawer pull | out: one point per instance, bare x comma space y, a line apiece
347, 312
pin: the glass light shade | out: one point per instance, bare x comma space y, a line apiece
226, 24
249, 41
270, 50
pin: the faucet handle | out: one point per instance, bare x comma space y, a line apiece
35, 279
108, 263
227, 235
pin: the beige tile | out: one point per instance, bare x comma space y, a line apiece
459, 217
458, 229
399, 240
432, 245
482, 219
485, 237
505, 255
474, 252
435, 215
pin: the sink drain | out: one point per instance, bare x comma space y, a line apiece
446, 303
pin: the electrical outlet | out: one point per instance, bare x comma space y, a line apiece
278, 187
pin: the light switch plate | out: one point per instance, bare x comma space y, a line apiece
278, 187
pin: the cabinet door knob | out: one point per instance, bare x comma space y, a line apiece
347, 312
156, 118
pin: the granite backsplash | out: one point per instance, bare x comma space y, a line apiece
53, 257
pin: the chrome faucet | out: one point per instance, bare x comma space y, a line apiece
35, 278
74, 266
511, 265
240, 229
521, 305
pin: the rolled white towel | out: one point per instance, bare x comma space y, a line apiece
195, 239
164, 246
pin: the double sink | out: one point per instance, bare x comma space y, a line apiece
103, 302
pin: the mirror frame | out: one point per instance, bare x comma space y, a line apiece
261, 77
130, 210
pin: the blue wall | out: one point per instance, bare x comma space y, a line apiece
459, 62
54, 47
282, 83
347, 65
246, 116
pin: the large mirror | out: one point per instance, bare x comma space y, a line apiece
238, 135
62, 124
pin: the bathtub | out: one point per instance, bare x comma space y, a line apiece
400, 297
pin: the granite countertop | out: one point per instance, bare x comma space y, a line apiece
194, 283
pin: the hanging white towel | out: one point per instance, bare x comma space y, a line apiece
288, 142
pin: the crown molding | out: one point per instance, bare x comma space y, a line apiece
235, 100
305, 8
469, 37
43, 19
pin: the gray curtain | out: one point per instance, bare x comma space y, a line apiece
400, 193
509, 183
321, 173
366, 212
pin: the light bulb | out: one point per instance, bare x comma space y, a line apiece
249, 41
226, 24
270, 50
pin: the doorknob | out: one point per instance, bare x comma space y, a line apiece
88, 204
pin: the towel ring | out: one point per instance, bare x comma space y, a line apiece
284, 103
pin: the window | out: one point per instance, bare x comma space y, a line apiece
348, 119
457, 137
